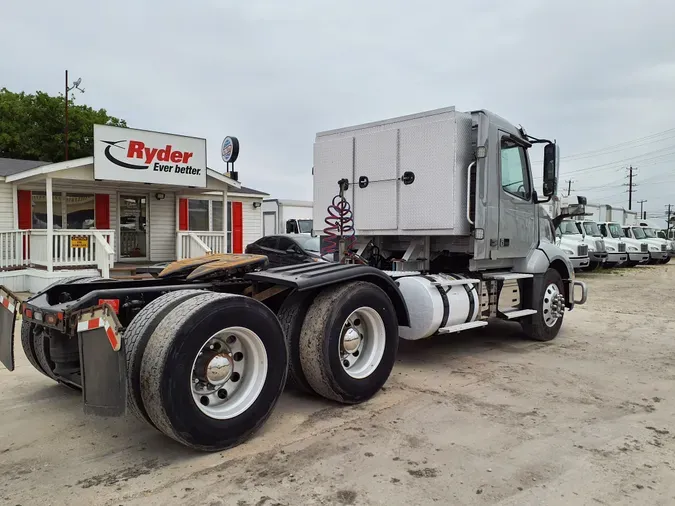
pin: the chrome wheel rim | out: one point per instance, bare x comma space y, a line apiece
554, 305
362, 342
228, 373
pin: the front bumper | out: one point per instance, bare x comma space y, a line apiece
638, 257
597, 256
579, 262
617, 258
658, 255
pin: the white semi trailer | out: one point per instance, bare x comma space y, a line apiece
287, 216
449, 236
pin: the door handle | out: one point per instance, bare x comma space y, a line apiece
504, 243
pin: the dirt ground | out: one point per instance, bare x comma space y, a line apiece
484, 417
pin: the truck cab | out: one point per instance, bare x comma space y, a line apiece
614, 243
658, 248
597, 252
574, 244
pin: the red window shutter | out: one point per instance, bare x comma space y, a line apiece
25, 207
102, 210
182, 214
237, 228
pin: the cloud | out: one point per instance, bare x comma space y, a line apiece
589, 74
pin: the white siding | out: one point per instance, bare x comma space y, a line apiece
162, 223
251, 219
6, 206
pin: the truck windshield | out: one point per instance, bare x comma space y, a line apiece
615, 230
638, 233
649, 232
568, 228
592, 229
305, 226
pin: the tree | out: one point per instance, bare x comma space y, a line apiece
32, 127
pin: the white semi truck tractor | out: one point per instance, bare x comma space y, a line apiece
617, 250
574, 244
657, 247
437, 229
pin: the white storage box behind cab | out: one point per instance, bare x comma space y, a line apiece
435, 146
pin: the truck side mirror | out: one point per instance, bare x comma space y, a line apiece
551, 158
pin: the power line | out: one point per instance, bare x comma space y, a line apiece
588, 154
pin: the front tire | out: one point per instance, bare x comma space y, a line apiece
349, 342
213, 370
545, 325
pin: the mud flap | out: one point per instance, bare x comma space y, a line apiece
9, 304
102, 362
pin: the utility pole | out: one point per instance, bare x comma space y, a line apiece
631, 185
642, 215
668, 216
569, 186
76, 85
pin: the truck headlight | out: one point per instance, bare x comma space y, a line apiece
610, 248
653, 248
568, 251
590, 248
632, 248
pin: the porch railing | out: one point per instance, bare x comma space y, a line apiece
196, 244
13, 245
72, 248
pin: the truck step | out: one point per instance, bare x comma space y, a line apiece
503, 276
518, 313
456, 282
462, 326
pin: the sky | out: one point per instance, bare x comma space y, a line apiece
590, 74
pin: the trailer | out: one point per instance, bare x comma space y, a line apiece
437, 231
286, 216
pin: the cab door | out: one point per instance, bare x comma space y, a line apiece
517, 209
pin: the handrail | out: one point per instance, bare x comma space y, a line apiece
200, 244
105, 254
468, 192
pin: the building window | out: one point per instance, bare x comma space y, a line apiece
39, 205
207, 216
198, 215
80, 211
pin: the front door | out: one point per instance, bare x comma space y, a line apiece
132, 223
517, 230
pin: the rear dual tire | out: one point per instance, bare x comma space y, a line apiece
178, 369
349, 341
34, 339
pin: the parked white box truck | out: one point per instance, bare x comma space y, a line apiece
287, 216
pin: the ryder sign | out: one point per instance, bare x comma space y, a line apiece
139, 156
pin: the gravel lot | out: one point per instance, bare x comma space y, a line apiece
484, 417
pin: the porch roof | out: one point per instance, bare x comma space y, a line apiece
81, 170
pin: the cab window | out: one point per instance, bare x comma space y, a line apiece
514, 170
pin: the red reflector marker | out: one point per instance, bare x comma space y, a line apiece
114, 303
28, 313
112, 338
